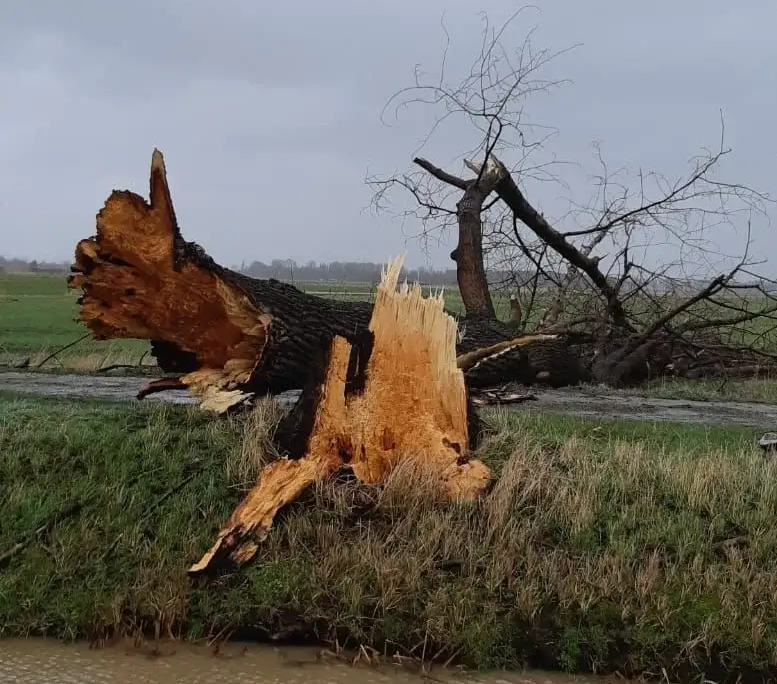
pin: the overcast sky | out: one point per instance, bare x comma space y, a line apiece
269, 113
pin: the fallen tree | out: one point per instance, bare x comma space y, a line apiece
228, 337
586, 275
382, 385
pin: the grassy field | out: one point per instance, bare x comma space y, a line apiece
751, 390
37, 318
605, 545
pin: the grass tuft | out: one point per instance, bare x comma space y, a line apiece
256, 446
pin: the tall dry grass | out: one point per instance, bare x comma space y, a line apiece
641, 555
256, 448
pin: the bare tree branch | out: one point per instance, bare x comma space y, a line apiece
637, 265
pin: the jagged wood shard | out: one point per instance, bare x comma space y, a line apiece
404, 397
136, 285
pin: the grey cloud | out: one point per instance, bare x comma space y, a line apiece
268, 113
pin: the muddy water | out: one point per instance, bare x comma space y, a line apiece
39, 661
575, 402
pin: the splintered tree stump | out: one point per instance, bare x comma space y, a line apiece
227, 337
397, 394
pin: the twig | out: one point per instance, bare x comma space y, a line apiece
67, 512
61, 349
119, 366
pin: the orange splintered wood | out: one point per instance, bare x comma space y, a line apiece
415, 401
413, 407
134, 288
279, 484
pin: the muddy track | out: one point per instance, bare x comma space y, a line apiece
575, 402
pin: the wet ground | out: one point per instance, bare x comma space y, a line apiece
39, 661
576, 402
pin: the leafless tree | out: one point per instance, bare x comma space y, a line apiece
597, 273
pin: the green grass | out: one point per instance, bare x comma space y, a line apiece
38, 317
749, 390
605, 545
762, 390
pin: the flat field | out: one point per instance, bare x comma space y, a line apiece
38, 312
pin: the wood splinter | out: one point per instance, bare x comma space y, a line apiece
410, 403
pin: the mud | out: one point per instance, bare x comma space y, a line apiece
573, 402
39, 661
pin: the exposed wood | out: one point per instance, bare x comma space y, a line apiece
516, 315
279, 484
501, 397
397, 395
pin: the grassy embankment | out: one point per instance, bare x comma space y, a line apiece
605, 544
37, 315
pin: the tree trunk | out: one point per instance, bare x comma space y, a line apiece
468, 255
225, 335
395, 397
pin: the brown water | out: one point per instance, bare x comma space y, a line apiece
41, 661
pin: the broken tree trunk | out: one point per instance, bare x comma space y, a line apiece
396, 394
227, 336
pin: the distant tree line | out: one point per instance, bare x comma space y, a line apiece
342, 272
281, 269
8, 265
284, 269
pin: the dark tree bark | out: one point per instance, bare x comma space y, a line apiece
511, 195
468, 254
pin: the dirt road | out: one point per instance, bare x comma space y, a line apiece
576, 402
